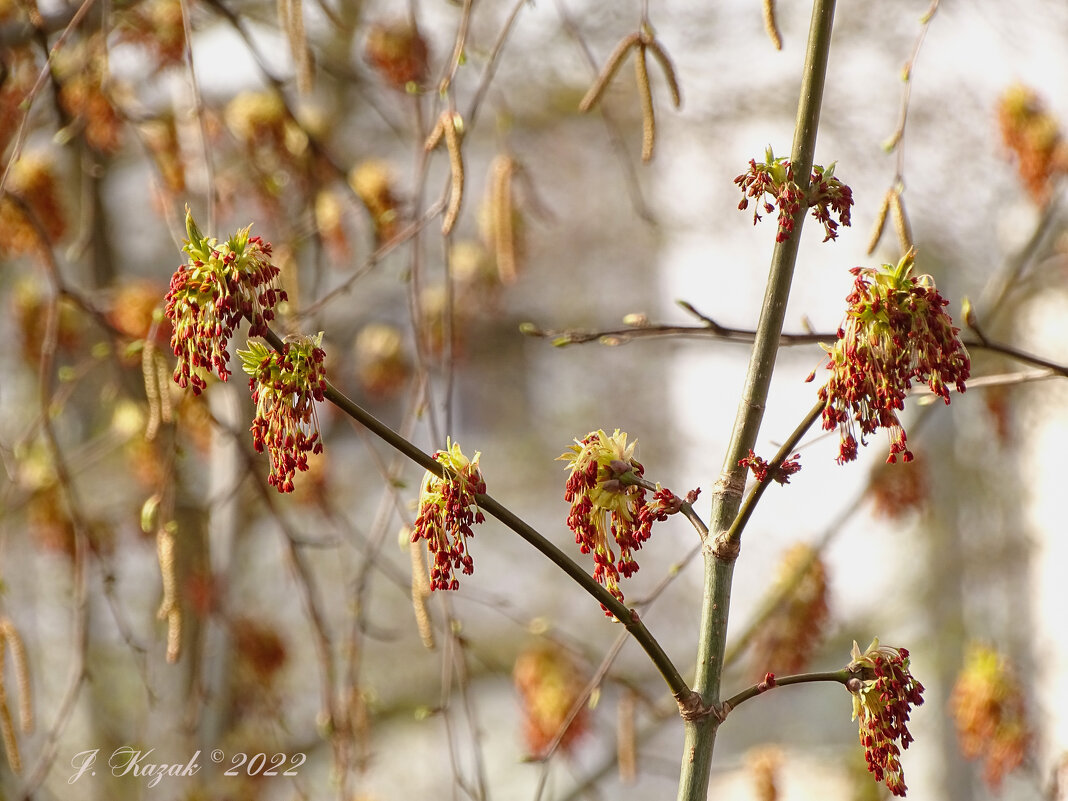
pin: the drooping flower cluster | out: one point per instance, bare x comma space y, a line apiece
285, 386
447, 510
764, 763
762, 469
209, 296
787, 639
896, 493
987, 704
398, 51
607, 504
1034, 135
549, 683
895, 332
884, 696
32, 180
826, 196
770, 184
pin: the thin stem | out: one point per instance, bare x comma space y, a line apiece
713, 330
840, 676
629, 618
721, 551
734, 533
27, 102
685, 507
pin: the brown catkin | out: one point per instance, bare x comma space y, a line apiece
770, 25
10, 635
7, 733
435, 136
660, 54
605, 75
169, 609
880, 222
502, 212
641, 72
150, 376
901, 221
452, 124
420, 592
163, 380
7, 726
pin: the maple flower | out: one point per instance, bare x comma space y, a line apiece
987, 704
447, 509
761, 468
770, 184
791, 634
895, 332
884, 692
285, 386
211, 293
607, 504
549, 683
1034, 136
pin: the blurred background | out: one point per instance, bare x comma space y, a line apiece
156, 593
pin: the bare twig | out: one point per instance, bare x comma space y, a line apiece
713, 330
31, 96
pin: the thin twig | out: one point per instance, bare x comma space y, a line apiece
79, 568
198, 106
627, 617
734, 533
491, 64
895, 140
612, 128
713, 330
31, 96
458, 48
837, 676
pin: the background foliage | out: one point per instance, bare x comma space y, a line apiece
298, 631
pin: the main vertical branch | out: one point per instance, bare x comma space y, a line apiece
720, 550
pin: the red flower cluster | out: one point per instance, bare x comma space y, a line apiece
761, 471
774, 178
607, 504
884, 696
209, 296
987, 704
1034, 136
895, 332
549, 683
827, 195
788, 638
447, 510
284, 388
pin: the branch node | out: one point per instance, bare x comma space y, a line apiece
725, 547
692, 708
729, 486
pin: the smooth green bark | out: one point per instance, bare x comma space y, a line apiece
720, 549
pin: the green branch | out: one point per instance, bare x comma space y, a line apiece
734, 533
721, 550
629, 618
840, 676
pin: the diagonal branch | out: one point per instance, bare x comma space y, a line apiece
629, 618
